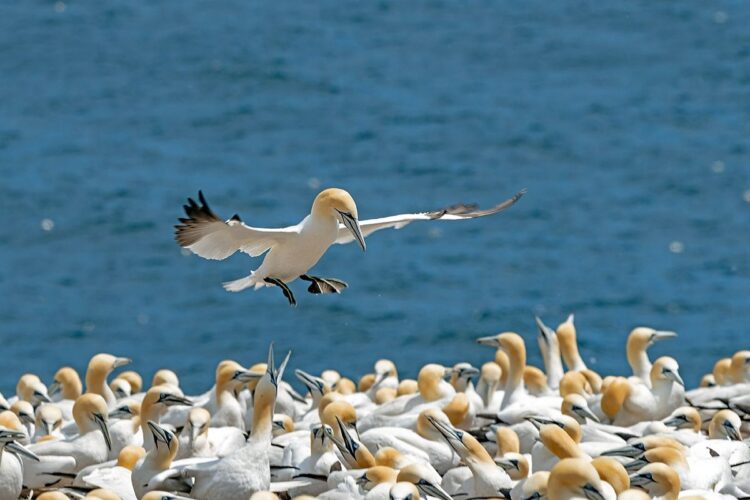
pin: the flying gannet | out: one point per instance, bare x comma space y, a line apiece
293, 250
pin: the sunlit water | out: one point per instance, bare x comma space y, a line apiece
627, 122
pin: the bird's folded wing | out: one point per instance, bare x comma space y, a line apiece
205, 234
454, 212
281, 486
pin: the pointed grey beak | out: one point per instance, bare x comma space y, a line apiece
21, 451
591, 493
121, 362
313, 383
246, 376
641, 479
544, 331
626, 451
352, 224
121, 412
195, 431
432, 490
271, 370
42, 397
636, 465
101, 421
159, 432
675, 377
174, 400
585, 412
467, 372
488, 341
507, 464
48, 426
451, 435
25, 418
663, 334
732, 433
675, 421
54, 388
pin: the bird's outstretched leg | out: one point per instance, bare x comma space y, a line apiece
287, 292
323, 285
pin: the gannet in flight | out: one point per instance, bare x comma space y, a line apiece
293, 250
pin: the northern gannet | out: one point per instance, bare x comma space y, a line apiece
613, 475
48, 421
628, 403
125, 427
100, 366
659, 481
293, 250
155, 403
11, 469
487, 478
117, 477
120, 388
65, 388
574, 479
25, 413
93, 442
425, 479
133, 378
145, 476
639, 340
199, 439
246, 470
549, 346
567, 338
425, 445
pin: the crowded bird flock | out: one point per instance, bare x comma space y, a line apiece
504, 429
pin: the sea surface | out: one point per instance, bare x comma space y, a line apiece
628, 122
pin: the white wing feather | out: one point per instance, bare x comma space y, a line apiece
455, 212
205, 234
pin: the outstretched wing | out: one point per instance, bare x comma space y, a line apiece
454, 212
205, 234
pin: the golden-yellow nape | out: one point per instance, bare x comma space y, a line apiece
332, 201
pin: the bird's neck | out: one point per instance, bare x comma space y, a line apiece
639, 362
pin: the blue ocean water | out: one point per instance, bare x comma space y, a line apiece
628, 122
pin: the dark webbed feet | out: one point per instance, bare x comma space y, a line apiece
284, 288
323, 285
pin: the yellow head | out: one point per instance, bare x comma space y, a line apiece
344, 386
722, 369
429, 379
49, 417
574, 478
507, 441
457, 409
134, 379
90, 414
339, 205
68, 382
613, 472
165, 376
129, 456
407, 386
659, 480
725, 424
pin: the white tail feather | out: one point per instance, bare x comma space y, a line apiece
240, 284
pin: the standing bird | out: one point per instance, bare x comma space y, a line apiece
293, 250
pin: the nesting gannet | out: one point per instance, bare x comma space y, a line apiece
117, 477
293, 250
695, 473
93, 442
247, 469
550, 348
574, 479
65, 388
434, 392
11, 469
487, 478
120, 388
134, 379
425, 445
659, 481
199, 439
48, 421
30, 388
230, 376
318, 464
613, 475
100, 366
155, 403
145, 475
508, 455
567, 338
639, 340
628, 403
532, 488
125, 427
25, 413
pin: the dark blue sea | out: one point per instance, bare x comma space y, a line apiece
628, 122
